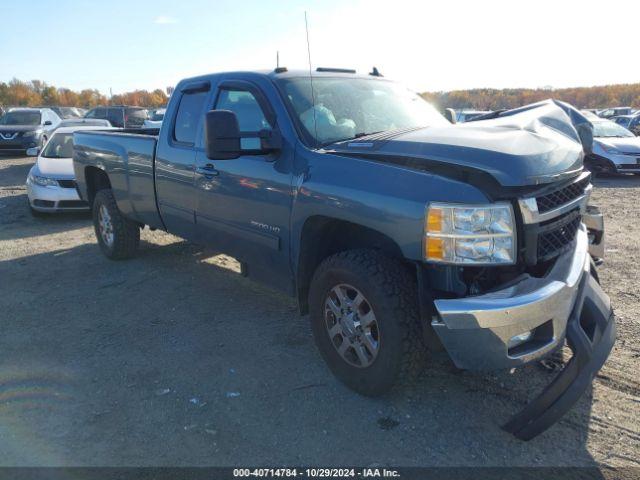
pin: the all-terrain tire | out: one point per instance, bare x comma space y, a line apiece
392, 294
126, 233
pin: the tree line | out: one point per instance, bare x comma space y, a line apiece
623, 95
36, 92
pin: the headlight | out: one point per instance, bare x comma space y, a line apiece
43, 181
470, 234
31, 134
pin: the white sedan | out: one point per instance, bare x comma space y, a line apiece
615, 149
51, 185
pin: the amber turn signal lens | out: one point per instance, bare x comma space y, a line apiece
435, 248
434, 220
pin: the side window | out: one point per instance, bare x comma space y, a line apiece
99, 112
250, 116
189, 113
116, 117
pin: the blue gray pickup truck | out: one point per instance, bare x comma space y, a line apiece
396, 230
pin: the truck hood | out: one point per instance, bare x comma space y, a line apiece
532, 145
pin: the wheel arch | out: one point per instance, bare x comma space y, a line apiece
323, 236
96, 179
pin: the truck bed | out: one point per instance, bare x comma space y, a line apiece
127, 156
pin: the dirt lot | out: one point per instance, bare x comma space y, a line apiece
169, 359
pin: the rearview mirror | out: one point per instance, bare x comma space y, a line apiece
33, 152
223, 140
221, 135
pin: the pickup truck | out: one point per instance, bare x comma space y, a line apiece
396, 230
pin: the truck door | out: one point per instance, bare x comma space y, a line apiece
175, 161
244, 204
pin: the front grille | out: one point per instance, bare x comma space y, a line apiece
67, 183
72, 204
556, 235
558, 198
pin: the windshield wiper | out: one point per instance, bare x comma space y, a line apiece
366, 134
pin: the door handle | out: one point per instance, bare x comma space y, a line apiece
209, 171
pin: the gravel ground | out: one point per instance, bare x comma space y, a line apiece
173, 359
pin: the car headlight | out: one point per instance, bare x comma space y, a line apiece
43, 181
470, 234
31, 134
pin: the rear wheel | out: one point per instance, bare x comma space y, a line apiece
117, 236
364, 317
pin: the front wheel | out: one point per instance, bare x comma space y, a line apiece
117, 236
364, 317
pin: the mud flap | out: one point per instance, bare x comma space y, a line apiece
591, 333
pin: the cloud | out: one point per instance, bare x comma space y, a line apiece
164, 20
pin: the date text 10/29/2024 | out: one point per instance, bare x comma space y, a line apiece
316, 473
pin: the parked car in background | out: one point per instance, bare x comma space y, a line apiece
65, 112
613, 112
630, 122
24, 128
615, 149
51, 185
467, 115
78, 122
120, 116
155, 119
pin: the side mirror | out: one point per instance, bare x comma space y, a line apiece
450, 114
221, 135
48, 122
33, 152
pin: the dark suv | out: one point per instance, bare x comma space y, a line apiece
120, 116
25, 128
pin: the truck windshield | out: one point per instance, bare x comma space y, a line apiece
18, 117
348, 108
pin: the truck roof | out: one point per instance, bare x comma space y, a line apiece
285, 73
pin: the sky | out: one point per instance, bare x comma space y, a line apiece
118, 45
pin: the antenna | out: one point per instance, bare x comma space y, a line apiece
313, 97
277, 59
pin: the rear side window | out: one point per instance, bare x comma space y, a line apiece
116, 117
138, 113
99, 112
250, 116
189, 113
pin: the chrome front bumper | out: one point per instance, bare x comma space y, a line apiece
566, 304
476, 331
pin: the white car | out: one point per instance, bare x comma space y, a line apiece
51, 185
615, 149
155, 121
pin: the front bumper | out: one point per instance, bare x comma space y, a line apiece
567, 303
476, 330
54, 199
18, 145
620, 163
